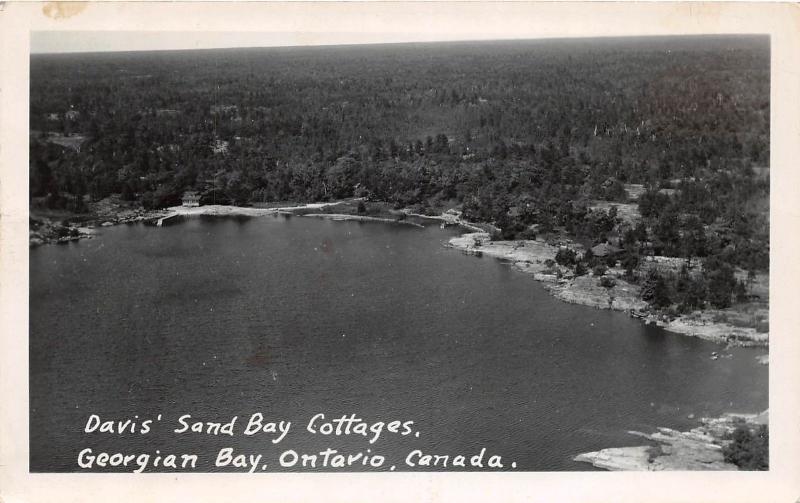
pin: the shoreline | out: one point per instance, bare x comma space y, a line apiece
341, 217
530, 256
448, 219
226, 210
700, 448
47, 231
43, 229
533, 257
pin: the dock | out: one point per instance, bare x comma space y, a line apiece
161, 220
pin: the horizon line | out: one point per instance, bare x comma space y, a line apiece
376, 43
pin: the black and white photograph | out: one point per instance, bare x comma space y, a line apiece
258, 253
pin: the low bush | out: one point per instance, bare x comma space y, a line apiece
749, 448
607, 282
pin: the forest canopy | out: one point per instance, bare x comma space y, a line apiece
525, 135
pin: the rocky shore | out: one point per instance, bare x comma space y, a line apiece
45, 231
700, 448
47, 228
450, 218
535, 257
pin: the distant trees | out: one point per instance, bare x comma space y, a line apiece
652, 203
525, 136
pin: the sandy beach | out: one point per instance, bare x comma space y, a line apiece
224, 210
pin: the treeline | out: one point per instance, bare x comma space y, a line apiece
524, 135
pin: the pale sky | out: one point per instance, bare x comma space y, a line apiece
101, 41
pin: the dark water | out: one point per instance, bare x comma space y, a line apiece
292, 317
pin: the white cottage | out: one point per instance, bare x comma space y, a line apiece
190, 199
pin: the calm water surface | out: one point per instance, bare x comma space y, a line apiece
297, 316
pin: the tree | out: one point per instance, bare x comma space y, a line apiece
652, 203
740, 291
566, 257
607, 282
694, 239
589, 258
655, 290
666, 230
721, 282
630, 259
545, 224
127, 193
749, 448
640, 232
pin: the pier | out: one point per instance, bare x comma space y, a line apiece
161, 220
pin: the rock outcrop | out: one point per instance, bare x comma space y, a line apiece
536, 257
697, 449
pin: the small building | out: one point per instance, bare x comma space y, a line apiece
633, 190
514, 212
219, 146
190, 199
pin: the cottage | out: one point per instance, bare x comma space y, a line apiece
633, 190
514, 212
190, 199
219, 146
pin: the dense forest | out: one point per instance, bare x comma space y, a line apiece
526, 135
